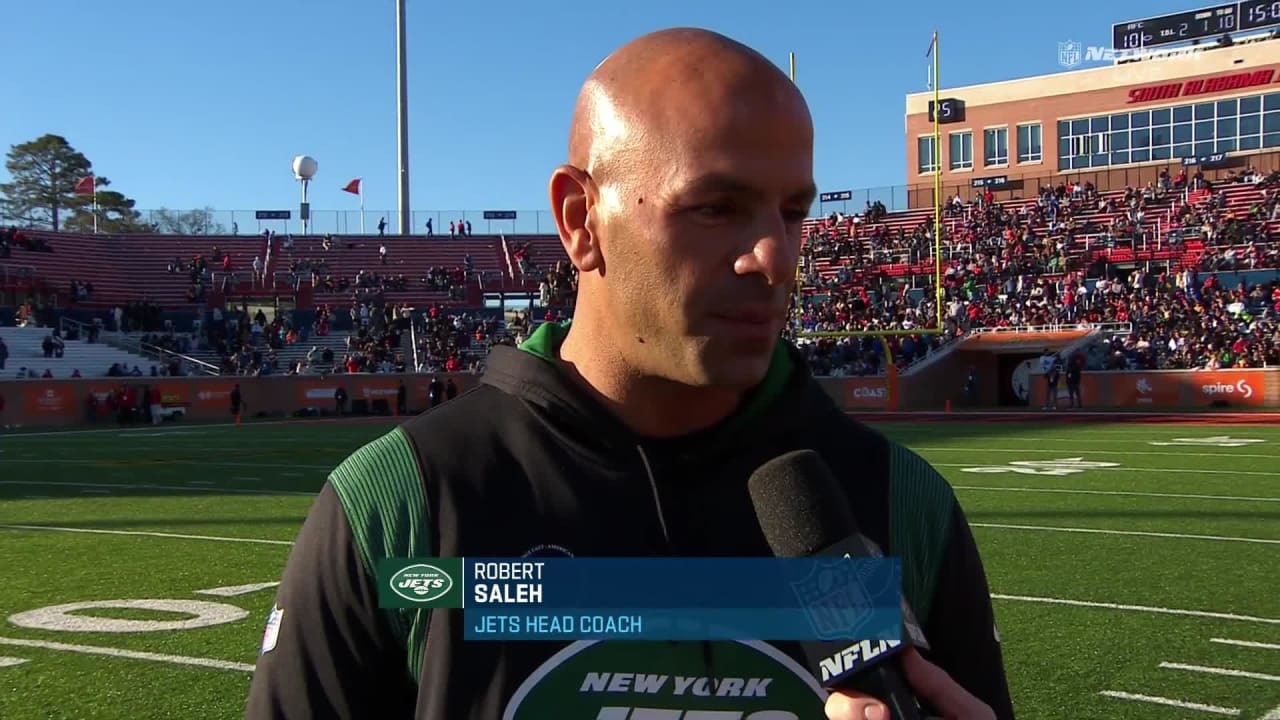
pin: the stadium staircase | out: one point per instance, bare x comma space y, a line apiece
91, 359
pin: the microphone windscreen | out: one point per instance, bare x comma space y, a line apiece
800, 505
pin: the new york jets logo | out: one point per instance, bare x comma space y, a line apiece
421, 583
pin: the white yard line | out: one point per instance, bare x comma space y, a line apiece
1182, 704
181, 536
235, 590
1138, 608
1274, 714
1246, 643
11, 661
144, 465
130, 654
140, 486
1074, 491
1192, 471
1092, 451
1226, 672
1138, 533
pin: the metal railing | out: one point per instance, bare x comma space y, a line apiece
1115, 328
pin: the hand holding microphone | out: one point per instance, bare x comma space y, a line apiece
929, 681
803, 512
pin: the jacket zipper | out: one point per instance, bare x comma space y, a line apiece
706, 645
657, 497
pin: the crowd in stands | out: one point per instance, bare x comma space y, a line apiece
445, 340
1033, 261
138, 316
13, 238
1185, 321
375, 344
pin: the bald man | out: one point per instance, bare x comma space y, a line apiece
630, 432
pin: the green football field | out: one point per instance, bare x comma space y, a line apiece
1136, 567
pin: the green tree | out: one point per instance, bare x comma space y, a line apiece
41, 193
193, 222
115, 213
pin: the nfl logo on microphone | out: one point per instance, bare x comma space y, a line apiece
834, 599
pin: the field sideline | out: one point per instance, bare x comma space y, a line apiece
1133, 558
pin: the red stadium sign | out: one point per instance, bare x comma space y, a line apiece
1202, 86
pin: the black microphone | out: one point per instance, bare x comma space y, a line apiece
804, 512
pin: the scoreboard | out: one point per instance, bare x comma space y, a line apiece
1208, 22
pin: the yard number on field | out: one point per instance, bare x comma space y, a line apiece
1216, 441
1062, 466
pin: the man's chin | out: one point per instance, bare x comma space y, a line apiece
735, 367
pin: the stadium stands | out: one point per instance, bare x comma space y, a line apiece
1033, 261
65, 358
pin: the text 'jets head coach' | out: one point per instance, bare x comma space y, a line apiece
631, 432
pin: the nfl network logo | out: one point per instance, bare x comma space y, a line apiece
1070, 54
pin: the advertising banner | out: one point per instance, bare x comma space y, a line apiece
870, 392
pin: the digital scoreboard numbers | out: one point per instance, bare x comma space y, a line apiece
1209, 22
950, 110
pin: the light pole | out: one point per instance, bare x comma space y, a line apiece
402, 113
304, 168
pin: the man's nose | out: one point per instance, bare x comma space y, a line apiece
773, 253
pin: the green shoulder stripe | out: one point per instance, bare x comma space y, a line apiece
380, 487
920, 506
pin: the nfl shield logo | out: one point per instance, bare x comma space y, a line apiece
834, 599
1069, 53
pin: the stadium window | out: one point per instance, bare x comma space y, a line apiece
1160, 117
1271, 122
1182, 151
1160, 136
1271, 102
1182, 133
1252, 142
1227, 108
927, 163
995, 146
1182, 114
1228, 145
961, 156
1272, 140
1029, 143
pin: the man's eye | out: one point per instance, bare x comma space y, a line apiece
713, 210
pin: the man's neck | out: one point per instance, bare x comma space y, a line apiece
649, 406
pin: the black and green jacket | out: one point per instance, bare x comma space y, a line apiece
530, 463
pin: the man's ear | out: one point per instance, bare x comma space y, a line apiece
573, 197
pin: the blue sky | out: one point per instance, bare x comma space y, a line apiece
192, 104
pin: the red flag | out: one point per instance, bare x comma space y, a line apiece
353, 187
85, 186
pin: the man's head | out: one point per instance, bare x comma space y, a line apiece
690, 171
